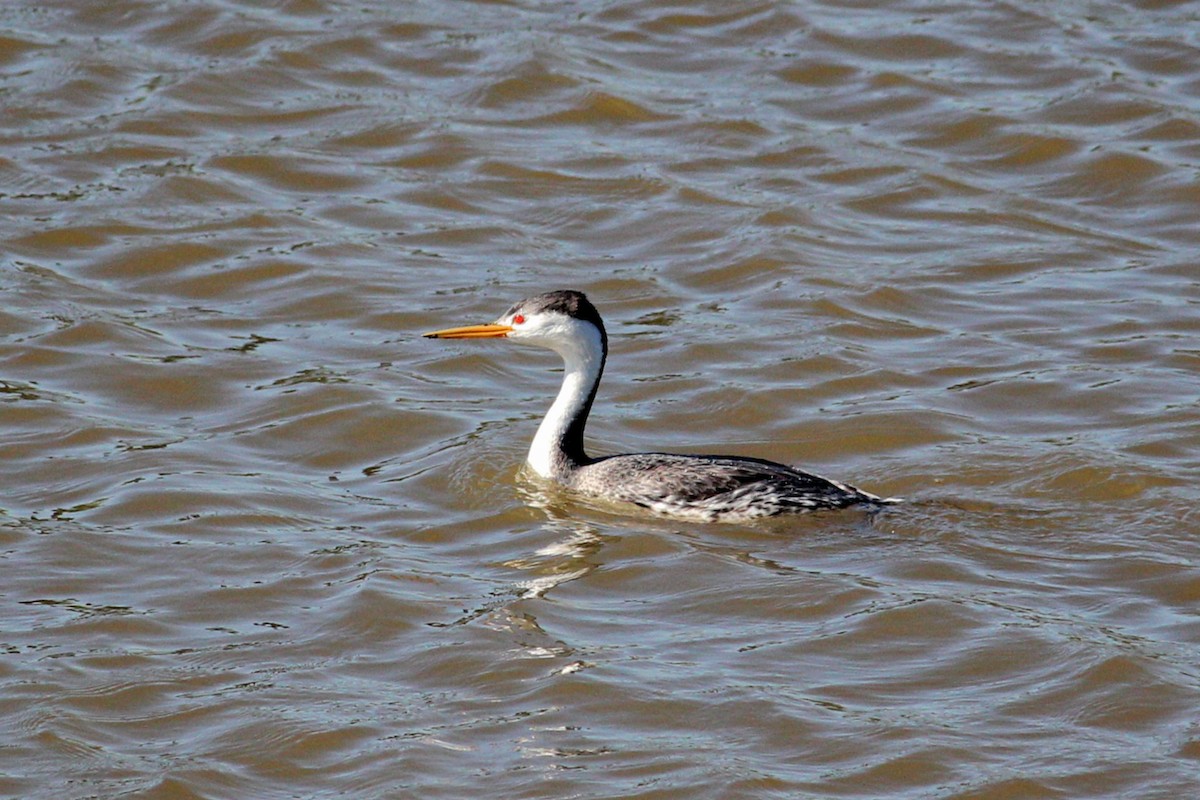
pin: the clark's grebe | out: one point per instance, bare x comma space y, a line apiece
698, 487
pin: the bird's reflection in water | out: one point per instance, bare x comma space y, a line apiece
569, 555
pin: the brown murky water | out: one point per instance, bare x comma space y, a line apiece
258, 539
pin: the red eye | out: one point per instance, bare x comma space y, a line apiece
519, 320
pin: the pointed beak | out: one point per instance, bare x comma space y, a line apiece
490, 331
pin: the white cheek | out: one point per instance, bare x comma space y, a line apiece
541, 332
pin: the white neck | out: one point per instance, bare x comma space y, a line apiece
583, 358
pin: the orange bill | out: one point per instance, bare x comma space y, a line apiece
489, 331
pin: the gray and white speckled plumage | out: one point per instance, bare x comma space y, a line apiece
712, 487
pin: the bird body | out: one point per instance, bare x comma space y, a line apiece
707, 487
712, 487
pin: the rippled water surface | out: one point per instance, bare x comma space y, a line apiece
259, 539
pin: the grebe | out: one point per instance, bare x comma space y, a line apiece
710, 488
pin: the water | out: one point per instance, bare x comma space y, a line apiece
259, 539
